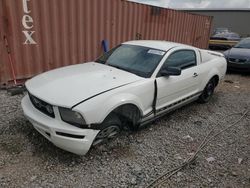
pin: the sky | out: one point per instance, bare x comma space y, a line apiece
199, 4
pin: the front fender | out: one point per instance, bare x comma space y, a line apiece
96, 110
120, 100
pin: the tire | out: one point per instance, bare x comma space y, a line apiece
207, 92
111, 127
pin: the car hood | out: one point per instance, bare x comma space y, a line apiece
240, 53
70, 85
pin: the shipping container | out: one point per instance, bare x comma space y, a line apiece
45, 34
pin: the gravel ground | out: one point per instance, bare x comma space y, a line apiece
136, 158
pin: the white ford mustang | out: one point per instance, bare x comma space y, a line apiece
82, 105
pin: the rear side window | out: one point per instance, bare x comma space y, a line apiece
182, 59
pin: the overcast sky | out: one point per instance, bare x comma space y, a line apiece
196, 4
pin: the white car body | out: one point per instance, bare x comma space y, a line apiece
94, 90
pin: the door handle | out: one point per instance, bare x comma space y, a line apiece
195, 75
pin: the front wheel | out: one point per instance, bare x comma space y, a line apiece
111, 127
207, 92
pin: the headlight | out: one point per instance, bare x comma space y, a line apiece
72, 117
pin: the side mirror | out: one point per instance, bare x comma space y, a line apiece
171, 71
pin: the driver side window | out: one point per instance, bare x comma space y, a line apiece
181, 59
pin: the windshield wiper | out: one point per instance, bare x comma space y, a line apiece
100, 61
136, 72
115, 66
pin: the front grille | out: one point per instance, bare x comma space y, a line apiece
42, 106
237, 60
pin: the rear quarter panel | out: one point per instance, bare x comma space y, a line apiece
210, 66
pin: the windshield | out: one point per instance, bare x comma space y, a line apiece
245, 43
138, 60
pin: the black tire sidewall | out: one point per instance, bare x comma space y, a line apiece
111, 120
203, 98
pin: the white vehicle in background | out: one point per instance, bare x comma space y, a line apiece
82, 105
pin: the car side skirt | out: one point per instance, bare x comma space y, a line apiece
163, 111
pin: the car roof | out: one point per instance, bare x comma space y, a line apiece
227, 34
157, 44
247, 38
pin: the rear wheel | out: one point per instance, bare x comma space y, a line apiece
111, 127
207, 92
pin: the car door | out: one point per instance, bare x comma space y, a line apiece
171, 89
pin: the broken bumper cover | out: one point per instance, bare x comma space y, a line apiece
62, 135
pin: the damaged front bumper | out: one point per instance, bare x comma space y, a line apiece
61, 134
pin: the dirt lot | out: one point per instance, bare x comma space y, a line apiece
136, 159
